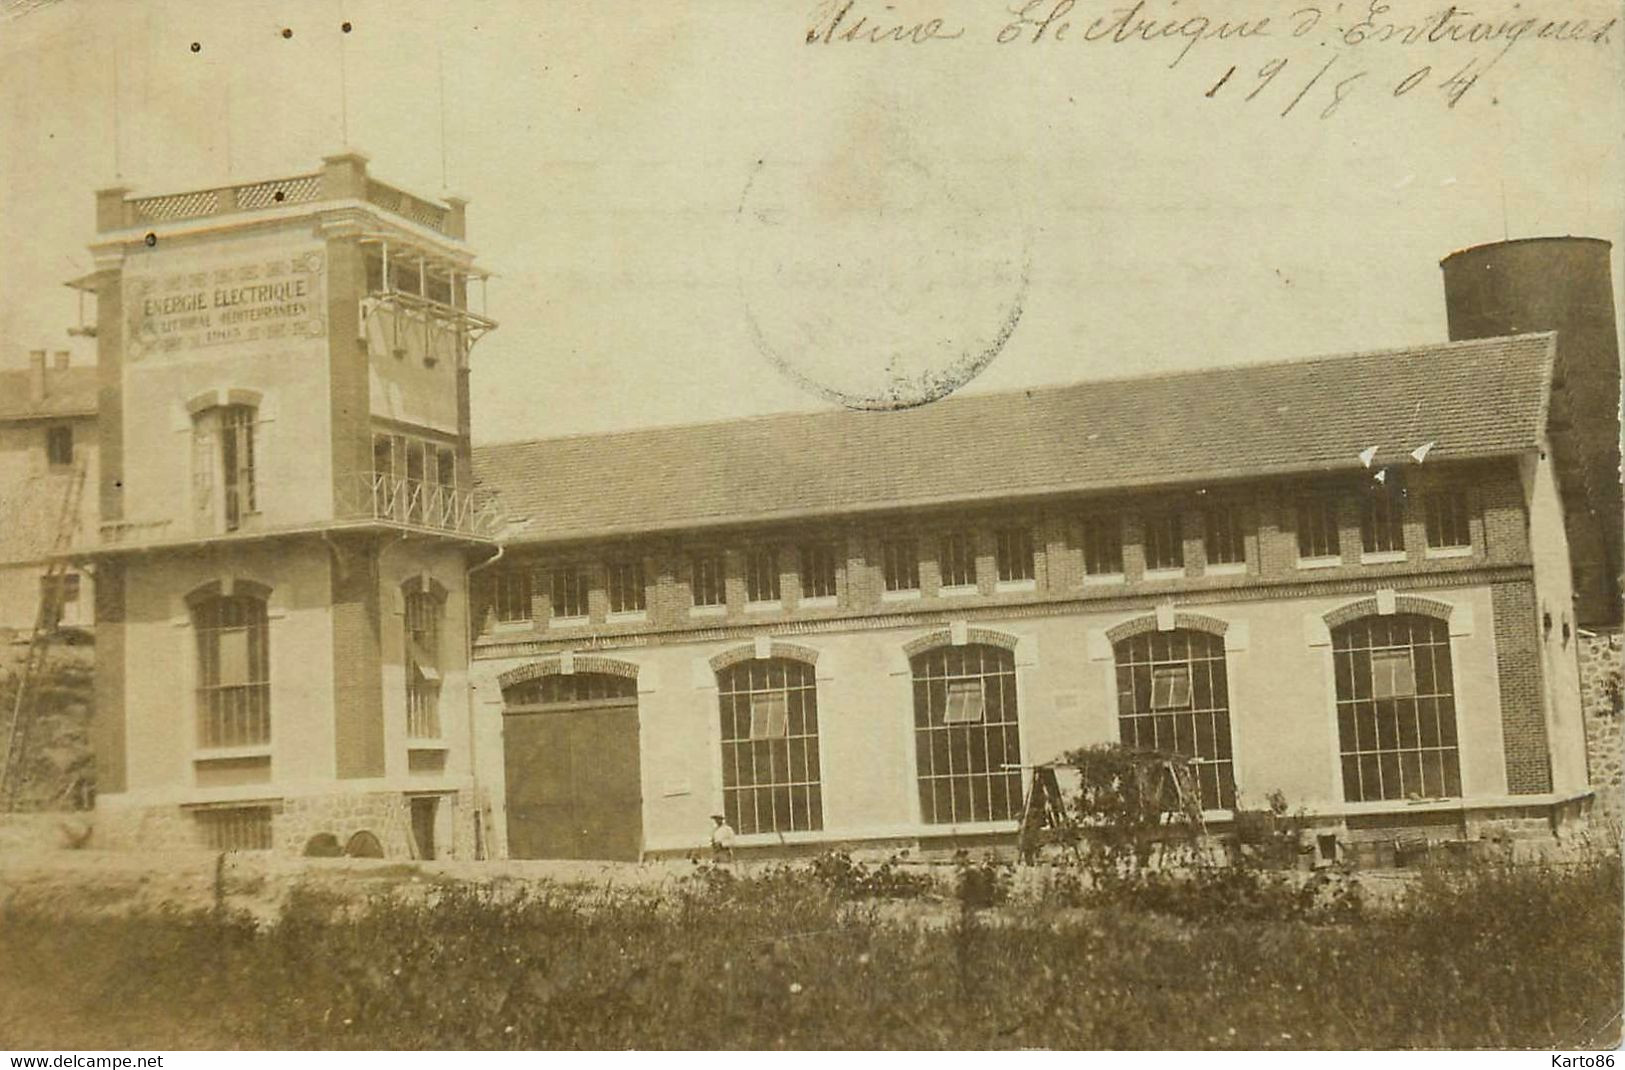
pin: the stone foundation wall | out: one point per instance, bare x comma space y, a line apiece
1600, 697
294, 822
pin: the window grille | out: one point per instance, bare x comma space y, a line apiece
1014, 554
706, 580
234, 682
1382, 523
1396, 708
511, 594
1173, 695
627, 593
1103, 546
235, 828
568, 591
1447, 519
1165, 540
572, 690
817, 570
1224, 536
770, 770
422, 665
957, 559
762, 575
1318, 534
223, 474
967, 739
900, 563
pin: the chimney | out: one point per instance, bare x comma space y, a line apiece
1563, 285
36, 376
60, 361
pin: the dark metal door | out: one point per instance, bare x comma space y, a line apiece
573, 783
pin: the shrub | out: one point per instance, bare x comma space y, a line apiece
980, 883
850, 879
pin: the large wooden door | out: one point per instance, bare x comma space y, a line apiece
573, 780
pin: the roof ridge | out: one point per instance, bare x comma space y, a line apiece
1414, 350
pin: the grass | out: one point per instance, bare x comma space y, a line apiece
1526, 957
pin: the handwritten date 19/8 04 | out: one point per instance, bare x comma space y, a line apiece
1338, 87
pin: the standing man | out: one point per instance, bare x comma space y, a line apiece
722, 839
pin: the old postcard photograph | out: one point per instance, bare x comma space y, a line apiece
833, 524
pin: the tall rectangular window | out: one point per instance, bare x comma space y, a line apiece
762, 574
771, 780
223, 465
59, 446
1447, 519
1223, 535
900, 563
1103, 546
1014, 554
511, 594
817, 562
233, 672
568, 591
1317, 527
957, 559
1382, 523
1165, 540
422, 665
706, 580
626, 590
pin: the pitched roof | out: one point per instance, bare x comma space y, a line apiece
68, 392
1472, 399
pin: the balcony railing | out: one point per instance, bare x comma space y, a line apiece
342, 178
416, 503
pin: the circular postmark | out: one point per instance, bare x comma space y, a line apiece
877, 280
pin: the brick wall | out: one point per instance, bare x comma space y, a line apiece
1498, 525
358, 698
1600, 701
1517, 664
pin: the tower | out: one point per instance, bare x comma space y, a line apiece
1563, 285
287, 516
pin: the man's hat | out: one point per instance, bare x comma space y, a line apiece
719, 817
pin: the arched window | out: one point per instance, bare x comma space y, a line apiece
967, 742
1396, 708
422, 665
770, 772
234, 678
574, 689
223, 466
1173, 694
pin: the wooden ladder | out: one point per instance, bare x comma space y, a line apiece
25, 701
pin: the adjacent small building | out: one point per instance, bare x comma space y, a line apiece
47, 454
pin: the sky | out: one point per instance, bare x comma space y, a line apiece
691, 213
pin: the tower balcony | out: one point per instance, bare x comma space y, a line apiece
417, 503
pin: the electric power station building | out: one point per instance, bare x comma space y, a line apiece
323, 617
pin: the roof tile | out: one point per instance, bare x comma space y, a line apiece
1473, 399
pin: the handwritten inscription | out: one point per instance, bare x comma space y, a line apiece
1354, 29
